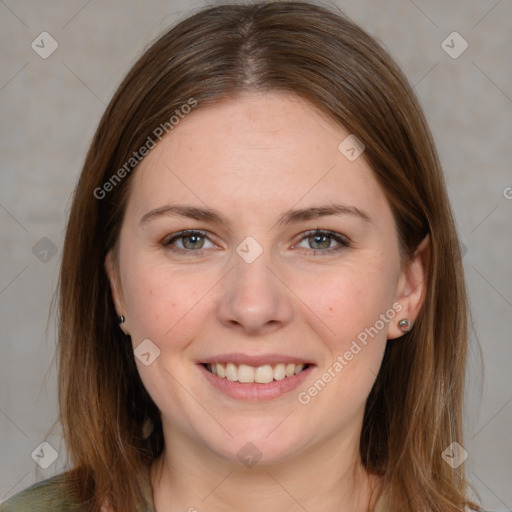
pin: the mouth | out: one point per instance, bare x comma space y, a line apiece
256, 376
261, 374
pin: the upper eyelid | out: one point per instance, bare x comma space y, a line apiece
311, 232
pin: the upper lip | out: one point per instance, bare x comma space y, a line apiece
255, 360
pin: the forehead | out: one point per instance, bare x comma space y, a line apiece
258, 151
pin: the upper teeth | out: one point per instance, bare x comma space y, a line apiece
262, 374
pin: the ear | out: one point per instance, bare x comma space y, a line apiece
411, 287
115, 288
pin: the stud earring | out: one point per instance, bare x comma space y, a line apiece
147, 428
120, 320
404, 325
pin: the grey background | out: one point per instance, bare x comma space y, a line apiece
50, 109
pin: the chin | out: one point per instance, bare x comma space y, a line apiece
255, 446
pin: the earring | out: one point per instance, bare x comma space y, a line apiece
404, 325
120, 320
147, 428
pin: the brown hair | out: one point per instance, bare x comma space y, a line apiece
414, 410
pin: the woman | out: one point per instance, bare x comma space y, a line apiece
262, 299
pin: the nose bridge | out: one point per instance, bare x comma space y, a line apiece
253, 297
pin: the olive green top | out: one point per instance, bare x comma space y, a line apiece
52, 495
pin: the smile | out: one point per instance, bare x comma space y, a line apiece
246, 376
263, 374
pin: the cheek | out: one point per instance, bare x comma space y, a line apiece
159, 300
351, 303
350, 300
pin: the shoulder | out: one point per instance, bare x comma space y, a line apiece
51, 494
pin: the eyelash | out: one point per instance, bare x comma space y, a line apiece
341, 240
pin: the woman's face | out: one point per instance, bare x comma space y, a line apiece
293, 260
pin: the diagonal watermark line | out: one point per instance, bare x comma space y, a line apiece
13, 77
14, 218
301, 300
424, 14
286, 491
480, 430
372, 372
199, 300
280, 423
217, 486
505, 505
424, 76
495, 289
410, 89
75, 15
14, 423
83, 83
306, 193
3, 2
165, 165
14, 486
489, 214
485, 15
13, 279
197, 401
492, 81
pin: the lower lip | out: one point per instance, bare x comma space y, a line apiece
254, 391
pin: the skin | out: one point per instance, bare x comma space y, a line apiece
251, 158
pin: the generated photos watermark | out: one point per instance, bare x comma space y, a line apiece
149, 144
305, 397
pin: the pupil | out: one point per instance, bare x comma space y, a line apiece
322, 240
191, 241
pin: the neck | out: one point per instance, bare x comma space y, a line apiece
188, 477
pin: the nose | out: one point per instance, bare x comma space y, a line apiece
254, 298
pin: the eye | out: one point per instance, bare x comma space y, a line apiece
320, 241
188, 241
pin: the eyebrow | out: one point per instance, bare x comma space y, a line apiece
288, 217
